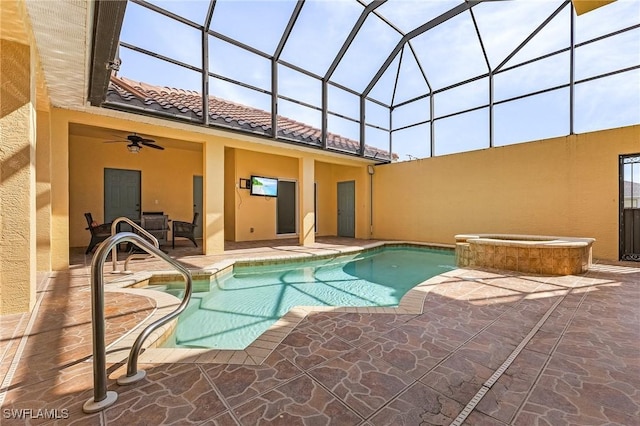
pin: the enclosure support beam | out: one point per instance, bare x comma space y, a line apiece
532, 35
352, 35
362, 125
274, 98
414, 33
325, 115
572, 74
205, 78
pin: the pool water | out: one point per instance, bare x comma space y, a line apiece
231, 311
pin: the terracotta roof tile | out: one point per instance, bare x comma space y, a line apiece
188, 103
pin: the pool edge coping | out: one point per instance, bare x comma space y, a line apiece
264, 345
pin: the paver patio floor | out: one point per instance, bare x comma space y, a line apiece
571, 346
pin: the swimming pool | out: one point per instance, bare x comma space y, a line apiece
232, 310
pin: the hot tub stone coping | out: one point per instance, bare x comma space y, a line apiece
525, 253
518, 240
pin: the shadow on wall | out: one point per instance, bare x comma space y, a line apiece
15, 162
16, 83
15, 93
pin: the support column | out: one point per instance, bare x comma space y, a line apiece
17, 179
306, 203
213, 223
43, 189
59, 190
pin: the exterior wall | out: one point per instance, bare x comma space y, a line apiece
70, 168
166, 181
327, 200
327, 178
259, 213
43, 190
563, 186
59, 190
213, 207
584, 6
306, 202
17, 177
361, 178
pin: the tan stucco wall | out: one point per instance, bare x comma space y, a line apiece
361, 178
43, 190
25, 214
327, 220
259, 213
166, 181
306, 201
213, 207
563, 186
59, 190
327, 177
73, 164
584, 6
255, 212
17, 177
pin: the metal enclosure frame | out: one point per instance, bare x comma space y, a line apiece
404, 47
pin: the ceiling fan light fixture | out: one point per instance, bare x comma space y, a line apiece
134, 149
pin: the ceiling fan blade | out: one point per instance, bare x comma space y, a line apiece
133, 139
151, 145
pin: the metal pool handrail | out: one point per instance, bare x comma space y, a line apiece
114, 250
101, 397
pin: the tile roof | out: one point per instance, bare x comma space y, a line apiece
188, 103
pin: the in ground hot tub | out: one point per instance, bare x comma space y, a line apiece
525, 253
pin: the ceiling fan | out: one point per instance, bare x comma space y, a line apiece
136, 142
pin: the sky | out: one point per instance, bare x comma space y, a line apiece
445, 55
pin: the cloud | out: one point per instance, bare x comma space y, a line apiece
450, 52
504, 25
259, 24
608, 102
319, 32
238, 64
410, 14
370, 48
606, 19
155, 32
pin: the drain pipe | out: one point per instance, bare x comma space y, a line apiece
371, 171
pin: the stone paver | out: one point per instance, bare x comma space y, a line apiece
581, 367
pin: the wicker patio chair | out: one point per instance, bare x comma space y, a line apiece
184, 230
99, 233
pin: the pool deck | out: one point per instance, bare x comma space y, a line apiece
499, 347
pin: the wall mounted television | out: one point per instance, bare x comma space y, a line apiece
265, 186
